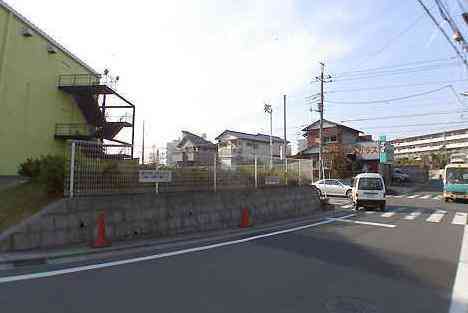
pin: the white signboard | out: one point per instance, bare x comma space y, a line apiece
272, 180
154, 176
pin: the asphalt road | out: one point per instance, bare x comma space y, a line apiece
393, 265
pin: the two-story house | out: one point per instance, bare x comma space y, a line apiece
343, 141
193, 150
236, 147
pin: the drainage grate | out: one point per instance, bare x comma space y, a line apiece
350, 305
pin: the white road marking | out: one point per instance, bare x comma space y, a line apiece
370, 212
400, 196
413, 196
412, 215
425, 197
460, 218
459, 302
390, 214
439, 197
162, 255
347, 206
362, 222
436, 217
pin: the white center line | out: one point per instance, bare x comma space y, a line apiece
459, 302
363, 222
426, 197
413, 196
161, 255
412, 215
460, 218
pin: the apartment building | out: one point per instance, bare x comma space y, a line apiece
452, 141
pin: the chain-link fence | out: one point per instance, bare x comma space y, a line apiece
96, 169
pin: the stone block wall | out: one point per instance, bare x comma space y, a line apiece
73, 221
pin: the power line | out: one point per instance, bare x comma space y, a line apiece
392, 99
414, 125
400, 72
388, 117
398, 86
427, 67
398, 65
443, 33
392, 40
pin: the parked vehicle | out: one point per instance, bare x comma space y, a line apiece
456, 179
369, 191
400, 176
333, 187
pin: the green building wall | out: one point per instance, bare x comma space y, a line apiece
30, 102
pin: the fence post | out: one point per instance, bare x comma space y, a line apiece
255, 173
299, 172
72, 168
214, 172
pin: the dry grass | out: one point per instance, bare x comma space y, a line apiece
21, 201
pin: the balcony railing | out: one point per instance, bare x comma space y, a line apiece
74, 131
67, 80
79, 80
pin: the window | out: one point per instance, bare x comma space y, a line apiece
368, 183
332, 182
330, 139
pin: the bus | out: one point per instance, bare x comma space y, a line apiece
456, 178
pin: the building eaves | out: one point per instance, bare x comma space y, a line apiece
46, 37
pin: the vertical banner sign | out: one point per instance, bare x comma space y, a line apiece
382, 147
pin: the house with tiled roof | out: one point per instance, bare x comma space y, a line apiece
193, 150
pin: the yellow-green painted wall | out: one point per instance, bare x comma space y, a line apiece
30, 102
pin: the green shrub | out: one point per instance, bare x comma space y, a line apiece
48, 170
30, 168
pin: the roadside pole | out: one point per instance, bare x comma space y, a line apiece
322, 80
256, 173
72, 168
214, 170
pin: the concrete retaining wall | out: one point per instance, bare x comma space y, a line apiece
73, 221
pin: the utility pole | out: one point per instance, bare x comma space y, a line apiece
143, 145
462, 57
322, 80
285, 149
268, 109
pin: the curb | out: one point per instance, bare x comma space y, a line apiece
20, 260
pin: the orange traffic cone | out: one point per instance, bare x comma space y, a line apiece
245, 218
101, 240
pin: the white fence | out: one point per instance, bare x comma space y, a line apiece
96, 169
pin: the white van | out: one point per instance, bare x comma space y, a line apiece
369, 191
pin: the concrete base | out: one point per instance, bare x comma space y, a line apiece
73, 221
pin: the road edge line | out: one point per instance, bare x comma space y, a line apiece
459, 299
29, 276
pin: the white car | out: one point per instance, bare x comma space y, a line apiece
369, 191
333, 187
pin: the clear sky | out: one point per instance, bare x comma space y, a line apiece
209, 65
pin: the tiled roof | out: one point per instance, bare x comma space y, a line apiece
316, 125
252, 137
196, 140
